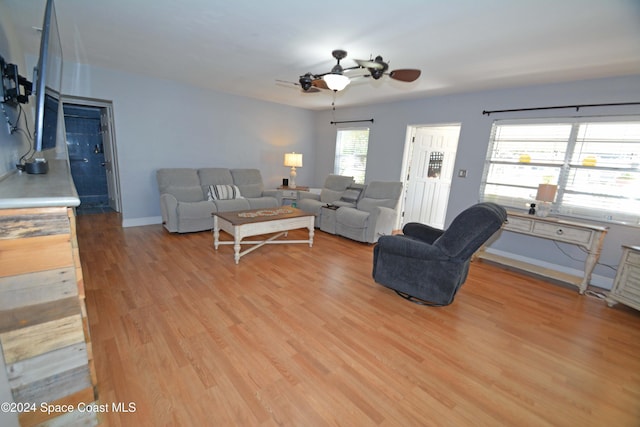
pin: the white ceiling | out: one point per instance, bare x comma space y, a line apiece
243, 46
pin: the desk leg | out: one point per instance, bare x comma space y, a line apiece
592, 260
589, 265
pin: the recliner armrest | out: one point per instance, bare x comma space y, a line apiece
308, 195
422, 232
411, 248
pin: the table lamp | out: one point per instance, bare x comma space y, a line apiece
546, 195
293, 160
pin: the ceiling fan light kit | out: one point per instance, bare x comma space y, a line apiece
336, 81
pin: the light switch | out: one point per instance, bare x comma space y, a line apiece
462, 173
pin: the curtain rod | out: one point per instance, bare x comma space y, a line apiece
352, 121
577, 107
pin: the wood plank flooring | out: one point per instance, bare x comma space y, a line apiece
299, 336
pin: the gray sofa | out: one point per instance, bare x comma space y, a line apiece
186, 204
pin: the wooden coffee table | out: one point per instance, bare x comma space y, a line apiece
241, 224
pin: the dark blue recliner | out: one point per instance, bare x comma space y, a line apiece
428, 265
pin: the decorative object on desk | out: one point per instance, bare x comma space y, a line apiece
293, 160
532, 209
546, 195
285, 182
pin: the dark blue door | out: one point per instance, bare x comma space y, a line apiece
86, 157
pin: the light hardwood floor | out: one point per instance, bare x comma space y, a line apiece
299, 336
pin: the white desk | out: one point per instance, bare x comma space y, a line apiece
588, 236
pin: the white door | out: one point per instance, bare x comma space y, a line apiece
430, 173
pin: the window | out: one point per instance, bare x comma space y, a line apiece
594, 161
351, 153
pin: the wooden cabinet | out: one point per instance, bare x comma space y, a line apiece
626, 286
44, 331
588, 236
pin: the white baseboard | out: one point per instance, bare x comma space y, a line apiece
596, 280
137, 222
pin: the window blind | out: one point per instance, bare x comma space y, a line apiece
351, 153
594, 161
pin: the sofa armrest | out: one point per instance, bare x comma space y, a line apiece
422, 231
384, 219
273, 193
169, 211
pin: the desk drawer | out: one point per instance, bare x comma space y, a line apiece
290, 194
633, 258
563, 233
518, 224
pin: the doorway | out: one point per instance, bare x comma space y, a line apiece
91, 150
430, 153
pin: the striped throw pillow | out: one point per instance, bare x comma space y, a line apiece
223, 192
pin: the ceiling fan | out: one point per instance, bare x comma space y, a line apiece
335, 79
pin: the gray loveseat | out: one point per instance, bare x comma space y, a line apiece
186, 203
374, 214
333, 189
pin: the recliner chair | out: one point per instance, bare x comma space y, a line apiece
427, 265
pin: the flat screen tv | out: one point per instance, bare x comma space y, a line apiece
47, 77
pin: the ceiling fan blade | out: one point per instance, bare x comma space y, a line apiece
405, 75
319, 83
292, 84
369, 64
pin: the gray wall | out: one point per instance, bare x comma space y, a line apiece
388, 134
12, 146
161, 124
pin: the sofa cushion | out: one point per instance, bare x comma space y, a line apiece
214, 176
223, 192
352, 218
337, 182
232, 205
330, 196
176, 177
186, 194
334, 187
249, 181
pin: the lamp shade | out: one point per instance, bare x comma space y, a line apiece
546, 192
336, 82
293, 160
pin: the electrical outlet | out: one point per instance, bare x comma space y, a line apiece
462, 173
